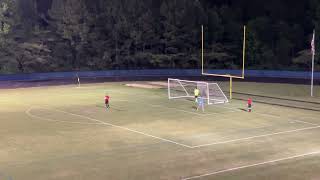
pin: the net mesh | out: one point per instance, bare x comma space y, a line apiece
216, 94
211, 92
180, 88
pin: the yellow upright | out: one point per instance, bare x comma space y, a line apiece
230, 88
225, 75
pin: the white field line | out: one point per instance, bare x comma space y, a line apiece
203, 145
84, 87
124, 128
184, 145
279, 117
268, 115
190, 112
233, 109
215, 113
28, 112
120, 100
259, 136
305, 122
252, 165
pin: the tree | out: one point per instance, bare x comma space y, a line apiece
59, 35
68, 19
8, 20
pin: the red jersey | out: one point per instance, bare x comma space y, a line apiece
106, 99
250, 101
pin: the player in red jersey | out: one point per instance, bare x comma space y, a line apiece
106, 101
249, 104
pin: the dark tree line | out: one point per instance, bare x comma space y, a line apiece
69, 35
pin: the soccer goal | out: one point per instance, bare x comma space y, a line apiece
211, 92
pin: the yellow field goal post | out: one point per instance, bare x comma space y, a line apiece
224, 75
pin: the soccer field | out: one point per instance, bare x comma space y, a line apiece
64, 132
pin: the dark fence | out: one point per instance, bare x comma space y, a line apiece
156, 73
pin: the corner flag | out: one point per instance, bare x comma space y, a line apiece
313, 51
312, 44
79, 84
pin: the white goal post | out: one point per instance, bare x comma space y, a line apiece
211, 92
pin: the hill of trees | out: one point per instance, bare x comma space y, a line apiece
60, 35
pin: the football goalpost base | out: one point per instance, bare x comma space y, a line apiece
211, 92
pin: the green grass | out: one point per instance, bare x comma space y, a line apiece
64, 132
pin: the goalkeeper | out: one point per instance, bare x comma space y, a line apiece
200, 103
196, 93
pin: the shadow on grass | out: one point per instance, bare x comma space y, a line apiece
282, 105
243, 109
278, 98
111, 107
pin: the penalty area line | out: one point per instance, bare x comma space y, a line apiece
293, 120
305, 122
252, 165
259, 136
124, 128
191, 112
28, 112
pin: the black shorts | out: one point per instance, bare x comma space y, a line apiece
249, 105
196, 97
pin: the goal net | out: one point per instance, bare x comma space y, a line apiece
211, 92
